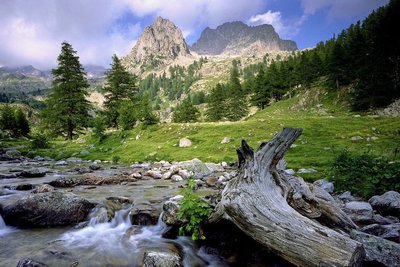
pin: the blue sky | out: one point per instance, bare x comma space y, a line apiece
32, 30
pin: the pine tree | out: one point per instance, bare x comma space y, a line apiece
7, 119
67, 108
186, 112
261, 91
216, 104
236, 103
120, 87
145, 113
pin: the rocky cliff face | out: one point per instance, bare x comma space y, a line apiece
159, 43
237, 38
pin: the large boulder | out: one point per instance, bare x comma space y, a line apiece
359, 212
47, 209
170, 211
34, 173
196, 166
378, 250
144, 214
161, 259
389, 231
387, 204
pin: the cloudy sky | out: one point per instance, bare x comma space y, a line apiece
32, 30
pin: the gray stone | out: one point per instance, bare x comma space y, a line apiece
47, 209
356, 138
215, 167
167, 175
225, 140
184, 174
387, 204
302, 170
30, 263
196, 166
170, 211
359, 212
326, 185
378, 249
161, 259
34, 173
176, 178
185, 142
43, 189
290, 171
346, 196
136, 175
154, 174
389, 231
94, 167
144, 214
61, 163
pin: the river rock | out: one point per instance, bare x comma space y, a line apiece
211, 181
8, 176
174, 169
47, 209
359, 212
154, 174
390, 231
185, 142
215, 167
346, 196
176, 178
136, 175
43, 188
387, 204
378, 249
66, 182
302, 170
170, 211
161, 259
196, 166
33, 173
167, 175
24, 187
94, 167
326, 185
61, 163
144, 214
184, 174
30, 263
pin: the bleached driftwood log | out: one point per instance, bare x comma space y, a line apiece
281, 212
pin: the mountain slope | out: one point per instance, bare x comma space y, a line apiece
237, 38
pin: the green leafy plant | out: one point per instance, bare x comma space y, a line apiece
193, 212
365, 174
40, 140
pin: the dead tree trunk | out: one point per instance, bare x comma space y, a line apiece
280, 211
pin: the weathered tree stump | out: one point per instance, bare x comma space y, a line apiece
281, 212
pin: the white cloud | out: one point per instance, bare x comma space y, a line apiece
285, 28
32, 31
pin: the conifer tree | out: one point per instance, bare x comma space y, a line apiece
237, 103
21, 123
186, 112
67, 108
216, 105
120, 87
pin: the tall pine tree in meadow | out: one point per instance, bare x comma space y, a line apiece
121, 86
67, 108
237, 102
216, 104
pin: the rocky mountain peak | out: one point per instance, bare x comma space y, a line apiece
160, 43
237, 38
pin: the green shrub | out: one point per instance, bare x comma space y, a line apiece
99, 127
193, 212
115, 159
366, 174
40, 140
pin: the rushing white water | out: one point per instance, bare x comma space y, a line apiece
4, 229
120, 241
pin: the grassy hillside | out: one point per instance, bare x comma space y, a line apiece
328, 129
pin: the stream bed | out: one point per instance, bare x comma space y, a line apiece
99, 241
